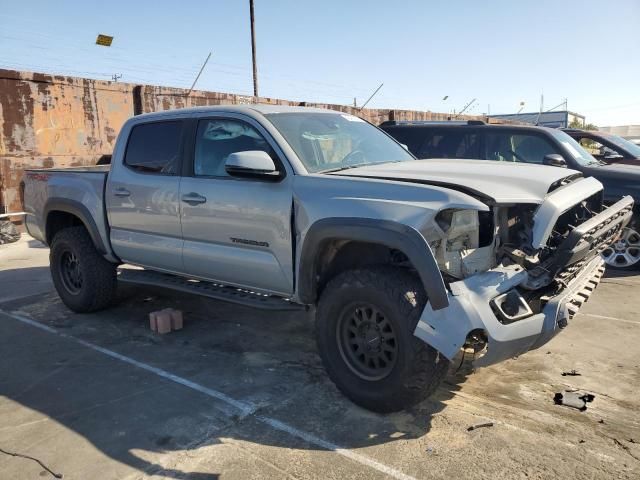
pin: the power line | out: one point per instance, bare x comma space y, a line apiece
115, 54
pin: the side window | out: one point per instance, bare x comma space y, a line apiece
154, 148
531, 148
218, 138
455, 143
516, 147
409, 136
598, 150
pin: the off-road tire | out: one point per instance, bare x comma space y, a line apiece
399, 295
97, 283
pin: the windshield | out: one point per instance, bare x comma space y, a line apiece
630, 147
579, 154
331, 141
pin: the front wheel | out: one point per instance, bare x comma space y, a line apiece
364, 330
85, 281
624, 254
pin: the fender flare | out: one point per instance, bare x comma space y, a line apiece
385, 232
79, 210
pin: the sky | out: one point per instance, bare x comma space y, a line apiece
499, 53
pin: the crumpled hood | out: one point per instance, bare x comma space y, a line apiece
502, 182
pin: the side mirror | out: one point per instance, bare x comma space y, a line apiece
251, 164
554, 160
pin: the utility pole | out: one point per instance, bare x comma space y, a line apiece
199, 73
253, 50
116, 76
541, 108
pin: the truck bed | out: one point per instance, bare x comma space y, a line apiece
76, 190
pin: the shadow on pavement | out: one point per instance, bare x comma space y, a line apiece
133, 416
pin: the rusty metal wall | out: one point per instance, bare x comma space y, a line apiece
58, 121
48, 121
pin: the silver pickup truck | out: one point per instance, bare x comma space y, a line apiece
406, 261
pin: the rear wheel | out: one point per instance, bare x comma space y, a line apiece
85, 281
624, 254
364, 329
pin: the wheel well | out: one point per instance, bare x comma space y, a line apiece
338, 255
58, 220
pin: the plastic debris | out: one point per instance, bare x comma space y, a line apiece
8, 232
577, 400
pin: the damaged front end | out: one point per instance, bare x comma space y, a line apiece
517, 273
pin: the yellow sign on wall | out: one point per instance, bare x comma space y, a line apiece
104, 40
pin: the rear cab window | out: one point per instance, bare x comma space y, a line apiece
155, 148
437, 142
450, 143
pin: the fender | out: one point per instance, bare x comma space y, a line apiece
391, 234
79, 210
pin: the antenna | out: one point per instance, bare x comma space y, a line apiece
199, 73
464, 109
372, 95
564, 102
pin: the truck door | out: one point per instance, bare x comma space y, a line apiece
236, 230
142, 197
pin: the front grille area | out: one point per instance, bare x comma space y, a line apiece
606, 231
581, 295
572, 218
568, 273
589, 239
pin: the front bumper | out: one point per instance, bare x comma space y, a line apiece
577, 265
469, 309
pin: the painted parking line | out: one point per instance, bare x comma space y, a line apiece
4, 300
604, 317
245, 408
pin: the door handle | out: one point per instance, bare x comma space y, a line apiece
121, 192
193, 199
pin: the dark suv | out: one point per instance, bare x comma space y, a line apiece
606, 147
528, 144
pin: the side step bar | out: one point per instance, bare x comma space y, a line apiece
206, 289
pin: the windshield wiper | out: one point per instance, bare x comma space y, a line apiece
346, 167
356, 165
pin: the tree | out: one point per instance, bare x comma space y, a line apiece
575, 123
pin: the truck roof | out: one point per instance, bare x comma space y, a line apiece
246, 109
460, 124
